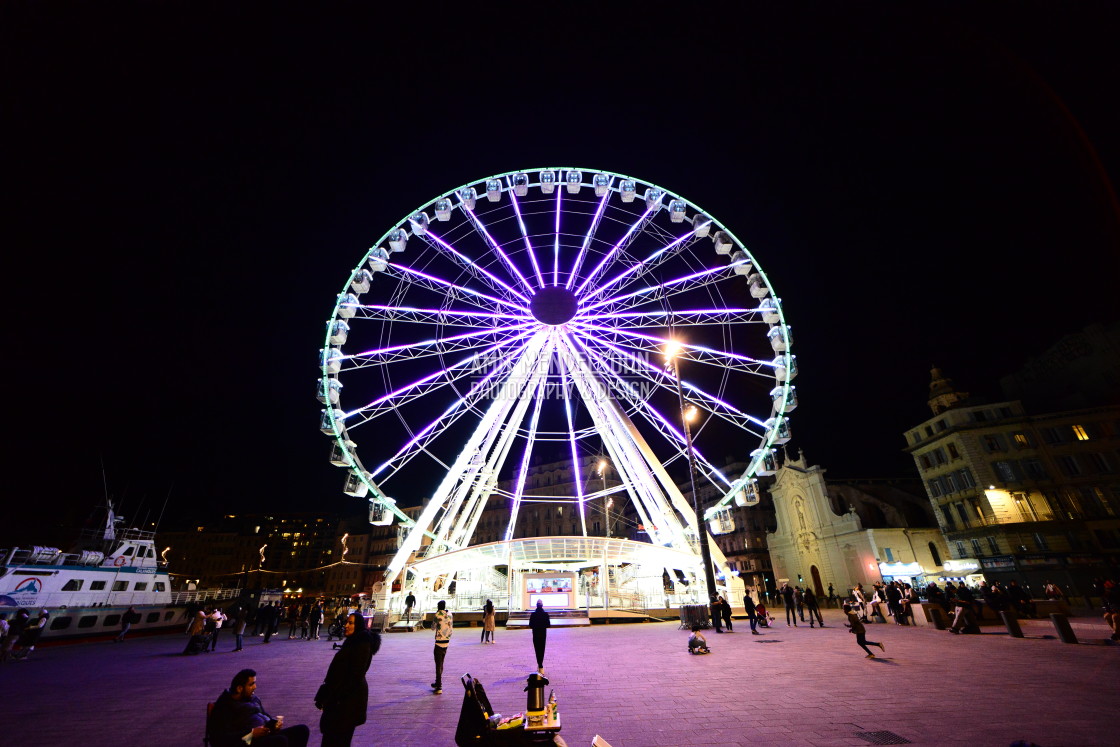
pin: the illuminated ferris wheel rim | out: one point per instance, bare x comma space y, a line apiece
534, 304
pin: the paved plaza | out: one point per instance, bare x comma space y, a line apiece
633, 684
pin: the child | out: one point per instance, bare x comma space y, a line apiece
764, 617
860, 631
697, 643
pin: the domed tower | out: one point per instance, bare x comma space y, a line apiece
942, 395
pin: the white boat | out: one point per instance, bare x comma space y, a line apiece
87, 590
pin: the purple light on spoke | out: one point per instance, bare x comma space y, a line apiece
498, 249
448, 312
617, 278
610, 254
474, 265
478, 386
625, 385
572, 438
441, 340
666, 284
525, 234
587, 238
672, 382
556, 242
460, 288
432, 376
660, 341
653, 314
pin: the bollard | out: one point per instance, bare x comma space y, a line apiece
938, 616
1012, 624
1061, 625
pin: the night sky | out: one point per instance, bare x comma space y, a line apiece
187, 190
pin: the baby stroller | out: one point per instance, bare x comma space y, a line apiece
337, 628
764, 617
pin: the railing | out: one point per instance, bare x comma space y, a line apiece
204, 595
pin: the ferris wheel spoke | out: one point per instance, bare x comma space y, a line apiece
556, 241
640, 404
427, 348
443, 317
577, 266
659, 318
682, 284
523, 467
473, 267
419, 443
573, 442
458, 370
524, 233
620, 246
478, 225
658, 376
651, 262
652, 344
438, 284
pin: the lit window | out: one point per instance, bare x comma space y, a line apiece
1079, 433
1023, 441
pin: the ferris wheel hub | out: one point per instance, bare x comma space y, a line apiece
554, 305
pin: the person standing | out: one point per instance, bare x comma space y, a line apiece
799, 602
126, 623
752, 614
409, 603
271, 620
344, 695
15, 630
791, 612
488, 622
860, 631
444, 625
217, 618
725, 613
240, 620
716, 613
315, 619
540, 622
810, 599
831, 596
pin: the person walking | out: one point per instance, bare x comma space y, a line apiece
126, 623
799, 602
443, 624
860, 631
409, 603
217, 618
344, 695
752, 614
271, 620
540, 622
488, 622
811, 605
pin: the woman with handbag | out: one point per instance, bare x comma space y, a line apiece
344, 695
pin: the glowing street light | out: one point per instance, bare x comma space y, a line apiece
672, 352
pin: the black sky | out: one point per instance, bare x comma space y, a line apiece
187, 189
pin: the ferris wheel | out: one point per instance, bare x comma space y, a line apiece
528, 317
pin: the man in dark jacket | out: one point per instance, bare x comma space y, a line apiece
540, 622
239, 714
791, 610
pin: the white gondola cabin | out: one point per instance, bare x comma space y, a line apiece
338, 330
749, 495
361, 281
573, 179
627, 190
330, 359
722, 522
328, 390
780, 427
767, 461
347, 305
493, 190
342, 456
520, 184
701, 225
419, 222
355, 486
328, 418
723, 242
443, 209
780, 338
602, 183
778, 392
677, 210
759, 288
467, 197
548, 182
742, 263
653, 198
398, 238
769, 309
379, 514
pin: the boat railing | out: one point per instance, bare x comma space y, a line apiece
205, 595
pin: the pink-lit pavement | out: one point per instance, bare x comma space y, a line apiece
633, 684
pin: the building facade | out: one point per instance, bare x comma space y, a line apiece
841, 534
1022, 496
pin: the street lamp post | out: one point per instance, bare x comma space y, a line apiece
671, 352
